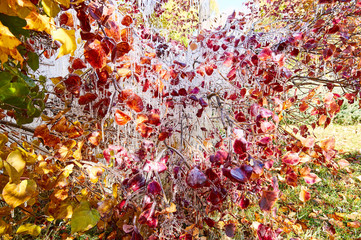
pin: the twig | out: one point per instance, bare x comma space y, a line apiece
179, 154
12, 124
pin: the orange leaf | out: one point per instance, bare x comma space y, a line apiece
121, 118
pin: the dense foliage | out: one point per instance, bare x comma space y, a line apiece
147, 138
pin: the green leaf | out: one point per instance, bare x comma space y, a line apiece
15, 24
27, 79
29, 228
5, 77
84, 218
33, 61
51, 8
14, 94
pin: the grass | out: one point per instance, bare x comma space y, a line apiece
334, 210
334, 207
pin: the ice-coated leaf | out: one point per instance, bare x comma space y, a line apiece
311, 178
239, 175
121, 118
230, 229
265, 54
265, 233
196, 178
87, 98
120, 50
84, 218
154, 188
291, 158
240, 146
94, 54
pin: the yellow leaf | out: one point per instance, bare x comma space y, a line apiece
3, 139
29, 228
15, 165
38, 22
64, 211
115, 190
4, 227
16, 194
84, 218
77, 153
171, 209
124, 72
50, 7
67, 38
94, 173
8, 44
65, 3
68, 170
20, 8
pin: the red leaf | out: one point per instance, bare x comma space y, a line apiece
244, 202
120, 50
265, 233
78, 64
240, 146
232, 74
209, 70
268, 199
135, 103
144, 130
350, 97
163, 136
113, 31
73, 83
334, 29
238, 175
291, 158
210, 222
154, 188
303, 106
84, 21
94, 54
265, 54
196, 178
121, 118
327, 53
87, 98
